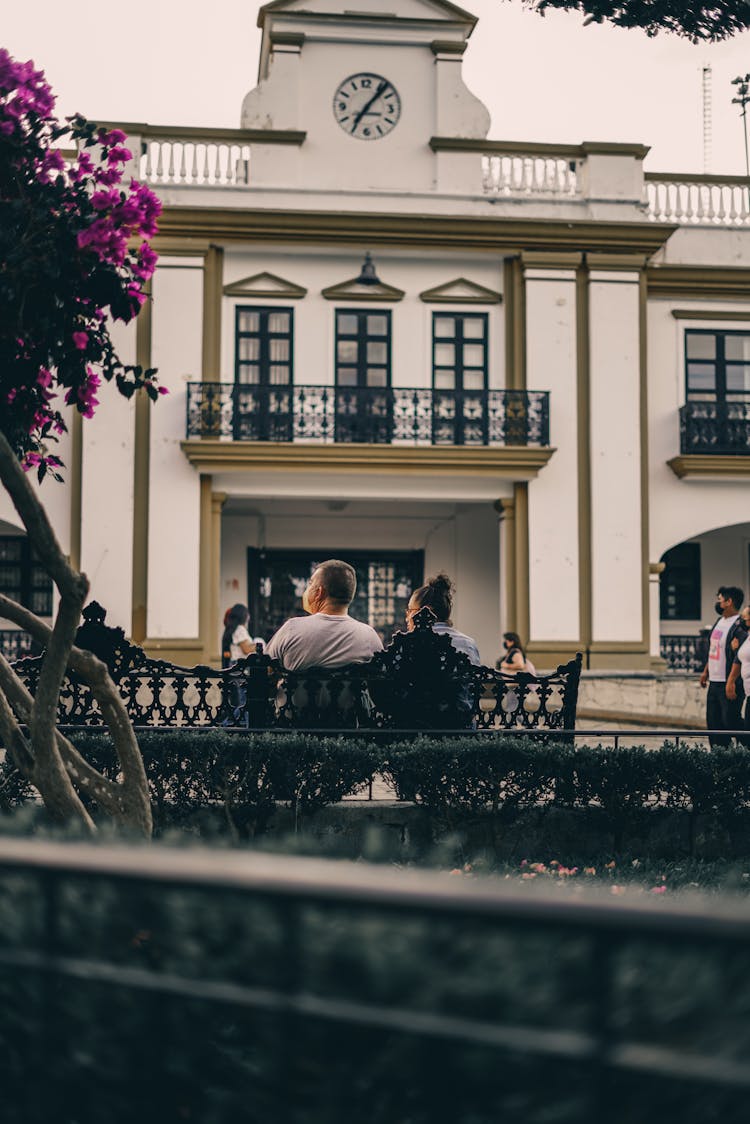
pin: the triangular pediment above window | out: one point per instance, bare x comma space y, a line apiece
354, 290
460, 291
265, 285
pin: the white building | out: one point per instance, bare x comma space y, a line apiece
544, 388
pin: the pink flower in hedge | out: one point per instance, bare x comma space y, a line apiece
81, 340
44, 378
163, 390
658, 890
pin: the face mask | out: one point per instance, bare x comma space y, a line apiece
718, 607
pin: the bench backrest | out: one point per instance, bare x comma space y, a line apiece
420, 682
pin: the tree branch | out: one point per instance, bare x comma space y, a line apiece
129, 801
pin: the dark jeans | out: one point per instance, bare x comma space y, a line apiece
722, 713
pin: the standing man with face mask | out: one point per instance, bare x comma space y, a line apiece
723, 712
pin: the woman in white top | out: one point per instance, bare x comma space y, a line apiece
236, 641
741, 667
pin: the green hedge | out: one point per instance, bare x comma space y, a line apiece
217, 780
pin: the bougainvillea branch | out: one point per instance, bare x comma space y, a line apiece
74, 253
74, 256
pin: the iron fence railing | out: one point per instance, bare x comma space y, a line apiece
14, 644
684, 653
715, 427
195, 985
369, 415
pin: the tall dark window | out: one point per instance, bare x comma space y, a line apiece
21, 576
459, 378
263, 346
717, 366
680, 585
363, 348
459, 350
364, 409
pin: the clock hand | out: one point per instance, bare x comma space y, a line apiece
367, 105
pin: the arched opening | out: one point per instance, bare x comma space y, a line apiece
693, 571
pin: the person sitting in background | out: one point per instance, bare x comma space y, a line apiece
236, 641
328, 637
514, 659
437, 595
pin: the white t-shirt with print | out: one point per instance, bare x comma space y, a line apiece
717, 652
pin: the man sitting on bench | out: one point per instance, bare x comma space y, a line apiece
329, 637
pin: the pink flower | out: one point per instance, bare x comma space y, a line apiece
163, 390
44, 378
81, 339
658, 890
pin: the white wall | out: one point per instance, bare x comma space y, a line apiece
554, 609
411, 318
683, 509
617, 567
107, 493
174, 485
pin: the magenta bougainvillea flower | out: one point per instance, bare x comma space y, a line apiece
74, 255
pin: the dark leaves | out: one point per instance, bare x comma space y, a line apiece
699, 22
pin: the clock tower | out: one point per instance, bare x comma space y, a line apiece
369, 82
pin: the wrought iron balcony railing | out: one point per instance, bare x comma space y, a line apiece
685, 652
14, 644
715, 427
367, 415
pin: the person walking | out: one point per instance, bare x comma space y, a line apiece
723, 712
328, 637
740, 673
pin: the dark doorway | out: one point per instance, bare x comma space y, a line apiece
385, 581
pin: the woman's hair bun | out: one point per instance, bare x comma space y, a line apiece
440, 581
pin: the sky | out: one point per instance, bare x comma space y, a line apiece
185, 62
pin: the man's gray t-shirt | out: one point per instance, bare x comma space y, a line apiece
323, 640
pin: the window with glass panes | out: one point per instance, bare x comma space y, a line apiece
21, 576
459, 350
363, 348
680, 583
717, 365
263, 346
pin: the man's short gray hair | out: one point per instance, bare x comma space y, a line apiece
338, 581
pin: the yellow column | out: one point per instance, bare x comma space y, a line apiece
218, 500
141, 460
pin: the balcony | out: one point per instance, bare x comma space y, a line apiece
721, 428
330, 415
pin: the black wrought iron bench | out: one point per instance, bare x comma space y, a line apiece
420, 682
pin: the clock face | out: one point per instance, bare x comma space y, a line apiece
367, 106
